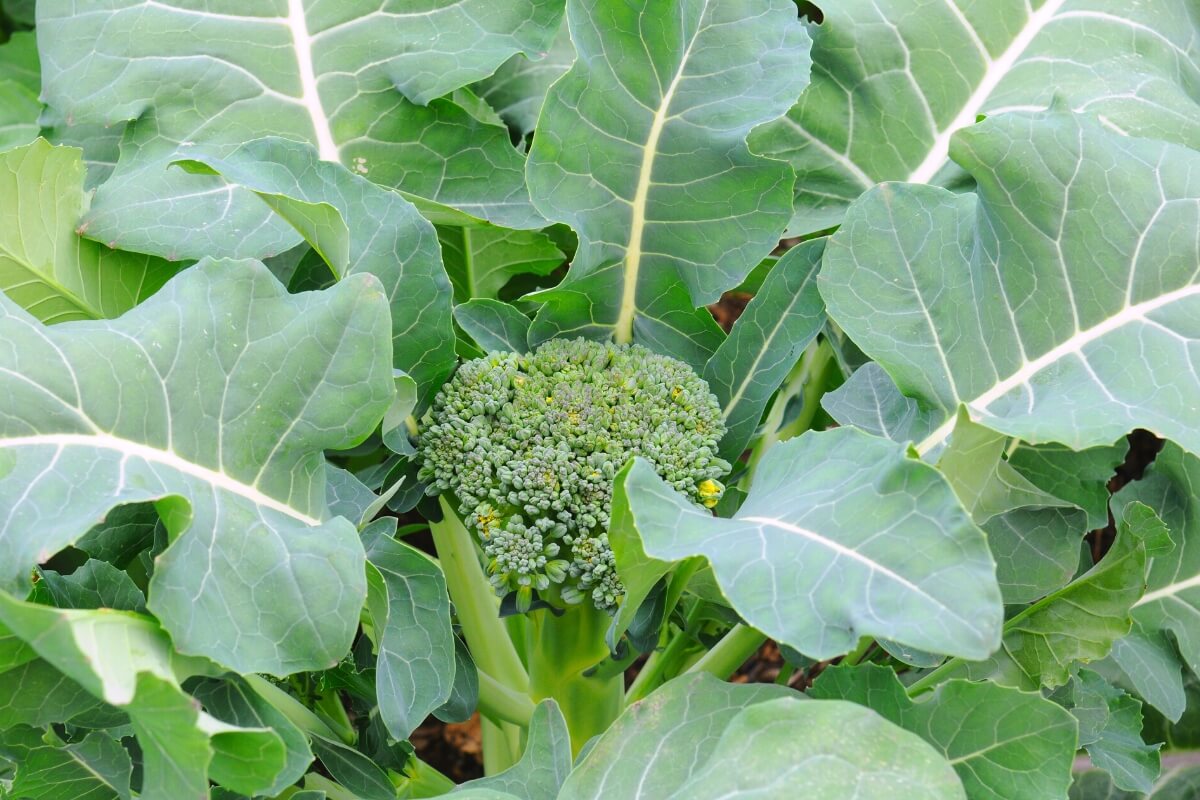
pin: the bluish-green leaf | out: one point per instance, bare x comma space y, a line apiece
217, 399
1034, 302
640, 148
1003, 743
357, 227
842, 536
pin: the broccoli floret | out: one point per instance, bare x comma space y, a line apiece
529, 445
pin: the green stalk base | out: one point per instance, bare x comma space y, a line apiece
560, 650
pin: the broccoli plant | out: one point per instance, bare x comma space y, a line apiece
637, 398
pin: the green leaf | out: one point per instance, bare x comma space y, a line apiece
1003, 743
45, 267
1078, 476
987, 485
19, 61
494, 325
37, 694
956, 275
655, 745
766, 342
233, 701
357, 227
1036, 550
893, 80
1033, 535
848, 535
544, 764
226, 434
870, 401
94, 768
1151, 665
20, 81
129, 662
410, 611
1180, 783
1079, 623
1110, 729
640, 148
347, 496
353, 770
518, 88
126, 531
304, 70
96, 584
1171, 486
464, 693
481, 259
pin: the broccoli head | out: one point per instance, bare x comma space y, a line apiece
529, 445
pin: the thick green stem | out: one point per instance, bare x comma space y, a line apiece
561, 649
475, 602
731, 652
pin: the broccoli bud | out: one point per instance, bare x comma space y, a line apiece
529, 445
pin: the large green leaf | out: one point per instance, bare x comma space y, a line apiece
361, 81
841, 536
357, 227
1034, 302
894, 79
217, 398
1171, 603
45, 267
1004, 743
766, 342
641, 149
129, 662
697, 737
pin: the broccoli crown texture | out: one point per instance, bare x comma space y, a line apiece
530, 444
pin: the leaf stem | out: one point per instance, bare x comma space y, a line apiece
475, 602
935, 677
860, 652
807, 378
660, 661
501, 704
731, 652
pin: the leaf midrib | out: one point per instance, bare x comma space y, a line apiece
1071, 346
165, 458
63, 292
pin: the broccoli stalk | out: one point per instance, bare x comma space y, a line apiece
524, 449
